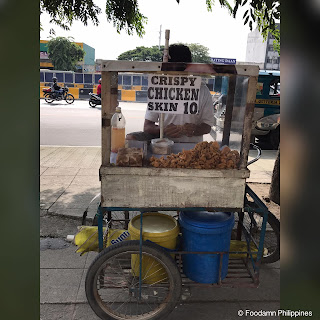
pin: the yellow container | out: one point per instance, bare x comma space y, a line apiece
161, 229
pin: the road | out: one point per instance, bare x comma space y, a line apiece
79, 125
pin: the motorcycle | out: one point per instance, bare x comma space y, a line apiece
94, 100
53, 95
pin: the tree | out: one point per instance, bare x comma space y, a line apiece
143, 54
125, 14
199, 53
64, 54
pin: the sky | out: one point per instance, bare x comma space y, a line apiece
224, 36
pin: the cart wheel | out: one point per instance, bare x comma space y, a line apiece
272, 236
112, 282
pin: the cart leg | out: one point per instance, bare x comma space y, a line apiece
100, 227
240, 223
126, 218
140, 256
109, 219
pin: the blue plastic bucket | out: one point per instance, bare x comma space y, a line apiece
205, 231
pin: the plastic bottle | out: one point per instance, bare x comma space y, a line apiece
118, 135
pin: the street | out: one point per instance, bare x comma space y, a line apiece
70, 158
79, 125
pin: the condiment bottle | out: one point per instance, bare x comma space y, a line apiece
118, 124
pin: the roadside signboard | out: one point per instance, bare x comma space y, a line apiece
223, 61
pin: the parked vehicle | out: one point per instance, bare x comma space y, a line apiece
266, 117
94, 100
54, 95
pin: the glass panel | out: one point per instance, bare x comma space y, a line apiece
239, 106
137, 80
119, 79
68, 77
78, 77
88, 78
127, 80
217, 84
59, 76
48, 76
41, 77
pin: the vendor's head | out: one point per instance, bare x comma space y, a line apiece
179, 53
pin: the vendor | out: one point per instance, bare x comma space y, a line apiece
180, 127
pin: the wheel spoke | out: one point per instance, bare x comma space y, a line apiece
118, 297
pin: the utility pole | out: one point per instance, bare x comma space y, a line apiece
160, 36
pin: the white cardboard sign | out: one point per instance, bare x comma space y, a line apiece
173, 94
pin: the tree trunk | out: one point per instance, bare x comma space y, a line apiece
274, 192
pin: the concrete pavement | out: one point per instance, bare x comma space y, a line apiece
69, 179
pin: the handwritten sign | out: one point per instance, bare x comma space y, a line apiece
173, 94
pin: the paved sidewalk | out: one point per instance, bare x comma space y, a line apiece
69, 179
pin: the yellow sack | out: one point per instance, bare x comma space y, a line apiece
237, 245
87, 238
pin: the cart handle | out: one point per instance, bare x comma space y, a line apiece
258, 155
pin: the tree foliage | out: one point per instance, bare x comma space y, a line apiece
64, 12
143, 54
64, 54
264, 13
199, 53
125, 14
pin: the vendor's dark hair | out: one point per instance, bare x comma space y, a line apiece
179, 53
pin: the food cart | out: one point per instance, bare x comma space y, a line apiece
117, 285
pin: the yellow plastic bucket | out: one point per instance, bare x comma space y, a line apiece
161, 229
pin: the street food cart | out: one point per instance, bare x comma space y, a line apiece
117, 285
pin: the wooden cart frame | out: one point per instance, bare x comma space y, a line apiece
133, 189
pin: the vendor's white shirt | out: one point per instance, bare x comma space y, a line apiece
205, 115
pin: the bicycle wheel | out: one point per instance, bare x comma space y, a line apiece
271, 244
48, 98
112, 282
69, 98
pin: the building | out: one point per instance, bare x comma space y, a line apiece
87, 65
262, 52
